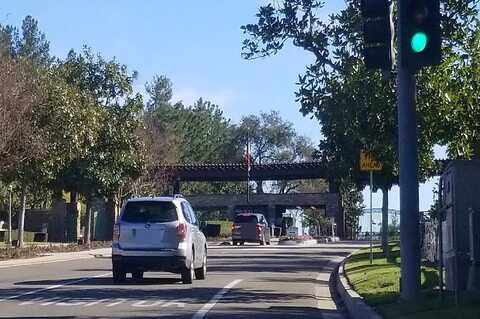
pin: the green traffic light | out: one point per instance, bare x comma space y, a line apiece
419, 42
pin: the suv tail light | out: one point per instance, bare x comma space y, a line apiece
116, 232
259, 228
236, 227
181, 231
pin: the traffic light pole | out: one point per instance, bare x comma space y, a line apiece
408, 156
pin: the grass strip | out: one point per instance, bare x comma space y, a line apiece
379, 284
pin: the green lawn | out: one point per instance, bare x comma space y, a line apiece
379, 285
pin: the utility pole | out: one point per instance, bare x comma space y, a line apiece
409, 207
419, 45
371, 217
10, 216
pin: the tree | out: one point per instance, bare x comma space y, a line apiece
356, 107
199, 133
31, 45
22, 145
115, 155
273, 139
458, 98
25, 62
160, 92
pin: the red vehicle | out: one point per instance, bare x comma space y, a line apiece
250, 227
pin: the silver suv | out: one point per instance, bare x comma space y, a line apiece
158, 234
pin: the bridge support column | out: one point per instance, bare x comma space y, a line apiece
271, 217
340, 221
231, 212
176, 186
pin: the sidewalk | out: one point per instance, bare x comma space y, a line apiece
56, 257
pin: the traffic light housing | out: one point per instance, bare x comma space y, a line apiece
378, 34
420, 34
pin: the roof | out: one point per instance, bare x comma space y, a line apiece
239, 171
156, 199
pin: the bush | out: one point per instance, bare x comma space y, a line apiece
225, 227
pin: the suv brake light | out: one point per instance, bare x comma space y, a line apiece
181, 231
259, 228
236, 227
116, 232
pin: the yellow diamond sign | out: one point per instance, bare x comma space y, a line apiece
368, 162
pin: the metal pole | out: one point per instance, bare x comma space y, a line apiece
10, 218
440, 237
407, 141
248, 168
371, 218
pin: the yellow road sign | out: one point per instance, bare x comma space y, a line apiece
368, 162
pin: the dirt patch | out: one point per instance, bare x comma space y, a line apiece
39, 250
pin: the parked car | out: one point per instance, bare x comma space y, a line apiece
250, 227
158, 234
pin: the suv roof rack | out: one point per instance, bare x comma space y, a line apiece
178, 196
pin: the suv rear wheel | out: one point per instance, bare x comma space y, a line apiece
137, 275
119, 275
262, 241
201, 273
188, 274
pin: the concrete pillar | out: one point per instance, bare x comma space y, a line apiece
177, 187
101, 221
73, 221
340, 220
271, 218
231, 212
56, 225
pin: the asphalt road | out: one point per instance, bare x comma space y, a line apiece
242, 282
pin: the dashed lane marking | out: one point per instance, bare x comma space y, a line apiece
208, 306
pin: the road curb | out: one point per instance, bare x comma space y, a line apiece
356, 306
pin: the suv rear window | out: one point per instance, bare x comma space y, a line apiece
149, 212
251, 219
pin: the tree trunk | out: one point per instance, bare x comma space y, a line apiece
73, 218
386, 251
88, 224
476, 150
110, 214
21, 218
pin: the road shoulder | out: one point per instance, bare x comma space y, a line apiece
56, 257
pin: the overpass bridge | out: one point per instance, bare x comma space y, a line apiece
273, 205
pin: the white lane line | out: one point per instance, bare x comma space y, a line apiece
45, 262
147, 303
52, 301
53, 287
208, 306
31, 301
96, 302
119, 301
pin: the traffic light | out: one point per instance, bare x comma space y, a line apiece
377, 33
420, 33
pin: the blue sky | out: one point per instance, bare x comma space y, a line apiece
197, 44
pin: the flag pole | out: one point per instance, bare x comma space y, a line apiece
248, 168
